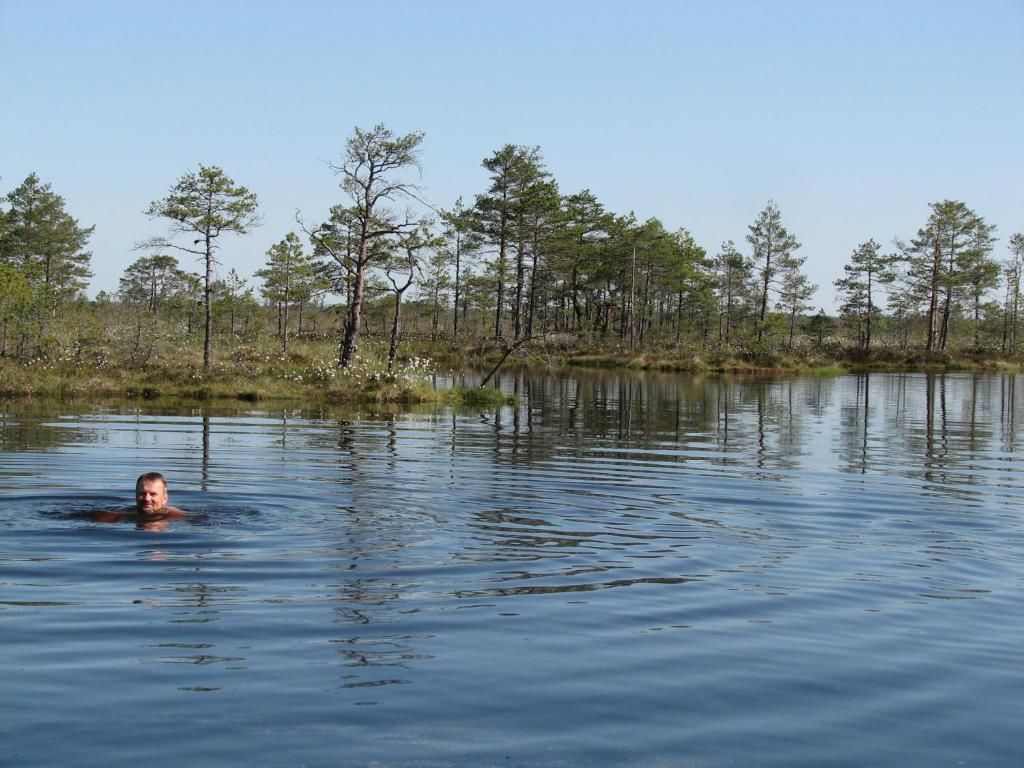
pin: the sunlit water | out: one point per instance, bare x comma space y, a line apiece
622, 570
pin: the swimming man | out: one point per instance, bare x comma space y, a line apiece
151, 509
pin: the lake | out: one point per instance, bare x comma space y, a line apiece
620, 570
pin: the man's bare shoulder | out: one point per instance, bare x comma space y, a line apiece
111, 515
130, 513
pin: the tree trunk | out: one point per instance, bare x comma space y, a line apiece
867, 329
531, 304
764, 295
946, 311
208, 303
933, 302
520, 277
576, 310
393, 348
355, 308
284, 329
458, 291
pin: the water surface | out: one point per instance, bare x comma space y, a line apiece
622, 570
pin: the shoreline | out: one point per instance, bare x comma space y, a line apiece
305, 380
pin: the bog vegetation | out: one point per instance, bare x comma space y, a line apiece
376, 297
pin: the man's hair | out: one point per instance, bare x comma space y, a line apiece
151, 477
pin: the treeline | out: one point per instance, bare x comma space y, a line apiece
522, 260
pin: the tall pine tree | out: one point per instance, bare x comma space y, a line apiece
202, 206
772, 246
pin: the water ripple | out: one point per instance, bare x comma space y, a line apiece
621, 570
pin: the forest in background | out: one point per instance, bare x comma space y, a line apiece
522, 263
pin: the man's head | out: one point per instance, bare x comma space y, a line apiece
150, 492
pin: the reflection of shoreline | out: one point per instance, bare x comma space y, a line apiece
23, 430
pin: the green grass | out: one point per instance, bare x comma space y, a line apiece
309, 374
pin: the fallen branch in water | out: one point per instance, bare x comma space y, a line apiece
509, 349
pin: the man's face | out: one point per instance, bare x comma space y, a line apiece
150, 496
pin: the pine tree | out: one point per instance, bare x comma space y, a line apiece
46, 246
233, 297
15, 303
580, 247
150, 281
795, 293
204, 205
772, 246
1013, 269
287, 279
732, 272
400, 269
502, 218
355, 235
867, 269
462, 241
940, 263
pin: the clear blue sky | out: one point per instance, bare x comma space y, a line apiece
852, 116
